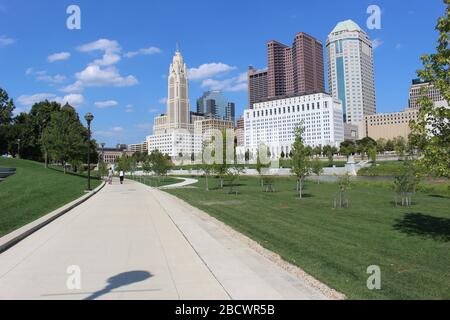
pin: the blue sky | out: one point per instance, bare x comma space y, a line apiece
122, 78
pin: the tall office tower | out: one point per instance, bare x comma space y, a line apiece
296, 70
178, 112
257, 86
422, 88
351, 71
215, 106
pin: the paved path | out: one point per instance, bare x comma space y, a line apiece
133, 242
186, 182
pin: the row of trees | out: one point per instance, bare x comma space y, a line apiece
47, 132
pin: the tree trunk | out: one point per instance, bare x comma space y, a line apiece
301, 189
64, 165
46, 160
207, 186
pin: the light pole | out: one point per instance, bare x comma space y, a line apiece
89, 117
18, 148
103, 158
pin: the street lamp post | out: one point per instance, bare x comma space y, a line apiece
103, 157
89, 117
18, 148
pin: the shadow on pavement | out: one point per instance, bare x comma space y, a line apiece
121, 280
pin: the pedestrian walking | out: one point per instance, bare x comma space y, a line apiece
122, 176
110, 175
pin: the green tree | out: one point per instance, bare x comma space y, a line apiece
400, 146
317, 168
364, 145
390, 145
301, 163
406, 182
222, 166
160, 164
347, 148
381, 145
65, 137
6, 113
259, 165
431, 132
344, 184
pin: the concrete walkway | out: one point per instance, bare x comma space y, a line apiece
186, 182
133, 242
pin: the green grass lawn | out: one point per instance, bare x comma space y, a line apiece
411, 245
154, 181
382, 168
35, 191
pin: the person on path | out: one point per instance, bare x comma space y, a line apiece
110, 175
122, 176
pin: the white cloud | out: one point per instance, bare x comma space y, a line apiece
154, 110
113, 132
235, 84
145, 126
163, 100
29, 71
129, 108
208, 70
29, 100
398, 46
111, 49
61, 56
45, 77
101, 72
95, 76
376, 43
6, 41
144, 51
106, 104
75, 100
101, 44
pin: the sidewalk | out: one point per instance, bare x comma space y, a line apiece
134, 242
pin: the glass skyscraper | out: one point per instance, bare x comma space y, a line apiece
215, 106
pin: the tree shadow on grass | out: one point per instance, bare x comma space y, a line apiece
425, 226
75, 174
121, 280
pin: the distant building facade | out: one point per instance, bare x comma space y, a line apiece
213, 105
351, 71
296, 70
257, 86
390, 125
138, 147
239, 132
416, 92
273, 123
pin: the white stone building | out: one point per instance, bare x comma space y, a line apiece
173, 132
273, 123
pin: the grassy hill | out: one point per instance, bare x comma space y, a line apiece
35, 191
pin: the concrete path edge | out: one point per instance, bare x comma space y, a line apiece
10, 240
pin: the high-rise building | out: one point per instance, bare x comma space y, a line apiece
257, 86
296, 70
351, 71
422, 88
178, 109
273, 123
173, 133
213, 105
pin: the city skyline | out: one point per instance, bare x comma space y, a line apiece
133, 89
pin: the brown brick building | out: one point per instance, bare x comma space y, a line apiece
296, 70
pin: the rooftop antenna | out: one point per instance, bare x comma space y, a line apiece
178, 48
